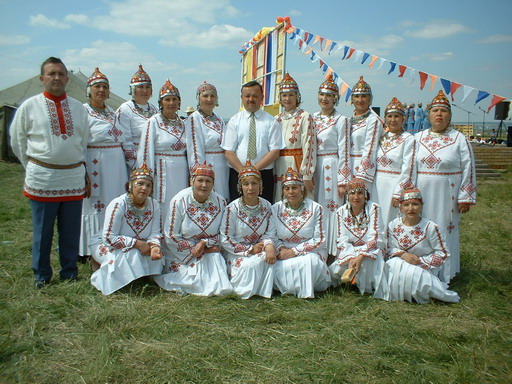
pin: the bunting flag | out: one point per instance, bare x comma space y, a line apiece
433, 79
423, 79
467, 91
495, 100
374, 59
365, 57
454, 88
392, 68
402, 69
350, 52
481, 95
447, 85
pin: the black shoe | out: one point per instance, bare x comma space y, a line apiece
83, 259
41, 283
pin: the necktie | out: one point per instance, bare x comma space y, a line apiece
251, 147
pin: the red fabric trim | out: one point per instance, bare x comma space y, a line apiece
52, 199
57, 100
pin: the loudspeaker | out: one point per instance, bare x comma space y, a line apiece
501, 110
509, 136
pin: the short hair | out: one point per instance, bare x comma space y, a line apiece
52, 60
252, 83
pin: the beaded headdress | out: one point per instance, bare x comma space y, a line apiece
329, 86
356, 185
206, 87
203, 170
249, 170
410, 194
361, 87
288, 84
440, 101
395, 106
168, 89
291, 176
97, 77
139, 78
142, 172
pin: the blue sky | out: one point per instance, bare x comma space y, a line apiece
189, 41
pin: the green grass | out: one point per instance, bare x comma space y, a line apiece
70, 333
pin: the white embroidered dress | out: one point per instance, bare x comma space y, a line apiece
242, 228
365, 133
332, 168
303, 231
188, 223
204, 137
446, 177
163, 149
132, 119
121, 263
299, 136
107, 171
396, 170
364, 235
418, 282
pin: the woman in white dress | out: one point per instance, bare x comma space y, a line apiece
446, 177
133, 115
365, 132
416, 251
205, 130
246, 238
299, 137
396, 162
193, 260
301, 268
105, 162
361, 242
333, 170
130, 247
163, 148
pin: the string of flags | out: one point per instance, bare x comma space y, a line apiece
306, 40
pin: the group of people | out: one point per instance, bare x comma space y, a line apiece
415, 118
261, 205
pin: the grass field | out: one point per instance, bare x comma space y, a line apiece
70, 333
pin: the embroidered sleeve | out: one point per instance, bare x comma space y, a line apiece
195, 140
407, 178
346, 250
180, 248
318, 239
308, 137
467, 191
344, 163
123, 118
439, 248
146, 152
114, 217
373, 239
367, 165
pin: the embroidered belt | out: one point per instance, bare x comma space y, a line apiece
439, 173
386, 171
351, 155
104, 146
55, 166
171, 154
296, 153
215, 152
327, 154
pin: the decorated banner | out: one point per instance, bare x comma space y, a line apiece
263, 60
305, 41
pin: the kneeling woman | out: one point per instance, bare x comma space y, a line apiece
416, 251
193, 262
301, 268
360, 242
245, 236
130, 246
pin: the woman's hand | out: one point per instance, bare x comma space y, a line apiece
212, 249
395, 202
286, 253
270, 254
198, 249
463, 207
410, 258
256, 248
356, 263
156, 252
143, 247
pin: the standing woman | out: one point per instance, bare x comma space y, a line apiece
163, 148
105, 161
205, 130
416, 251
193, 261
333, 170
446, 177
396, 162
130, 246
133, 115
246, 238
301, 268
361, 242
365, 132
299, 137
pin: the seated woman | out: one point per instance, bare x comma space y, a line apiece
301, 268
360, 242
130, 246
193, 262
416, 251
245, 238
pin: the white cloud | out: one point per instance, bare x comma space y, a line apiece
217, 36
295, 12
378, 46
438, 29
442, 56
14, 40
42, 21
499, 38
79, 19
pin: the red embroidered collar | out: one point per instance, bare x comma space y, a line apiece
53, 97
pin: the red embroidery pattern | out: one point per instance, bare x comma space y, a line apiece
53, 113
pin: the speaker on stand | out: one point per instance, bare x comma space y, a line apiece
501, 113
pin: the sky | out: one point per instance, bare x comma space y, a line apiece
191, 41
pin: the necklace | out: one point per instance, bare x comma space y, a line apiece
294, 211
172, 122
359, 223
250, 210
288, 115
389, 139
440, 134
137, 211
326, 118
196, 203
357, 119
100, 111
146, 113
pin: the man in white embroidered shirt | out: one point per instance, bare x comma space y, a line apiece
252, 134
49, 135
